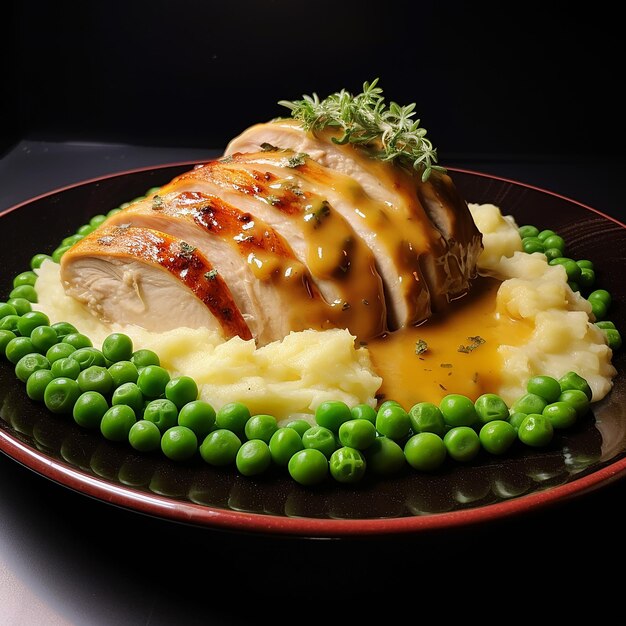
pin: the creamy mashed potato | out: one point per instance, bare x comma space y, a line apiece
292, 377
563, 337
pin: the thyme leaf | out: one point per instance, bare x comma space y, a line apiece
389, 132
420, 347
475, 342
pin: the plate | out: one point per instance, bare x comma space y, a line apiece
587, 457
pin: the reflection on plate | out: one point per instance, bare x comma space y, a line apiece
581, 459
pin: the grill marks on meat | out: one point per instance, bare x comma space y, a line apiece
269, 239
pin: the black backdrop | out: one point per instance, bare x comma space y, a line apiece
488, 78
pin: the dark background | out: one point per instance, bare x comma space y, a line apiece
538, 79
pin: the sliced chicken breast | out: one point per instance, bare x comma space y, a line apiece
133, 275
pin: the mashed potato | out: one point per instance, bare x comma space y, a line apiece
563, 338
293, 376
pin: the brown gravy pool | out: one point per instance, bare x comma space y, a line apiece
442, 369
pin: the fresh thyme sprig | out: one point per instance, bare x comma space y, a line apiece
390, 133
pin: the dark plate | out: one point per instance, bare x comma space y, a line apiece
585, 458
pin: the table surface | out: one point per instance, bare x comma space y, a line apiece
69, 559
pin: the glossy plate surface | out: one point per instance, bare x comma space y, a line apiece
585, 458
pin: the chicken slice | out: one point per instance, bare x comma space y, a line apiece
273, 290
144, 277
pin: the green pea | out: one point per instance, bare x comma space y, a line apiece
357, 433
553, 253
572, 380
545, 234
179, 443
96, 220
24, 291
516, 418
233, 416
536, 431
89, 409
117, 347
458, 410
364, 411
320, 438
528, 231
300, 425
598, 309
497, 436
613, 338
123, 372
181, 390
587, 278
427, 417
25, 278
425, 451
71, 240
95, 378
65, 368
545, 386
577, 399
605, 325
145, 357
573, 285
283, 444
63, 329
490, 406
144, 436
59, 351
31, 320
253, 457
6, 309
61, 394
38, 259
78, 340
572, 269
21, 305
385, 457
308, 467
30, 363
43, 338
532, 244
199, 416
117, 422
347, 465
561, 414
9, 323
332, 414
162, 412
5, 337
37, 383
462, 443
393, 421
152, 381
601, 295
553, 241
220, 447
88, 356
529, 403
261, 427
129, 394
18, 347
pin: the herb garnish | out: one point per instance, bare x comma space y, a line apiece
420, 347
390, 133
157, 203
211, 275
186, 250
475, 342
